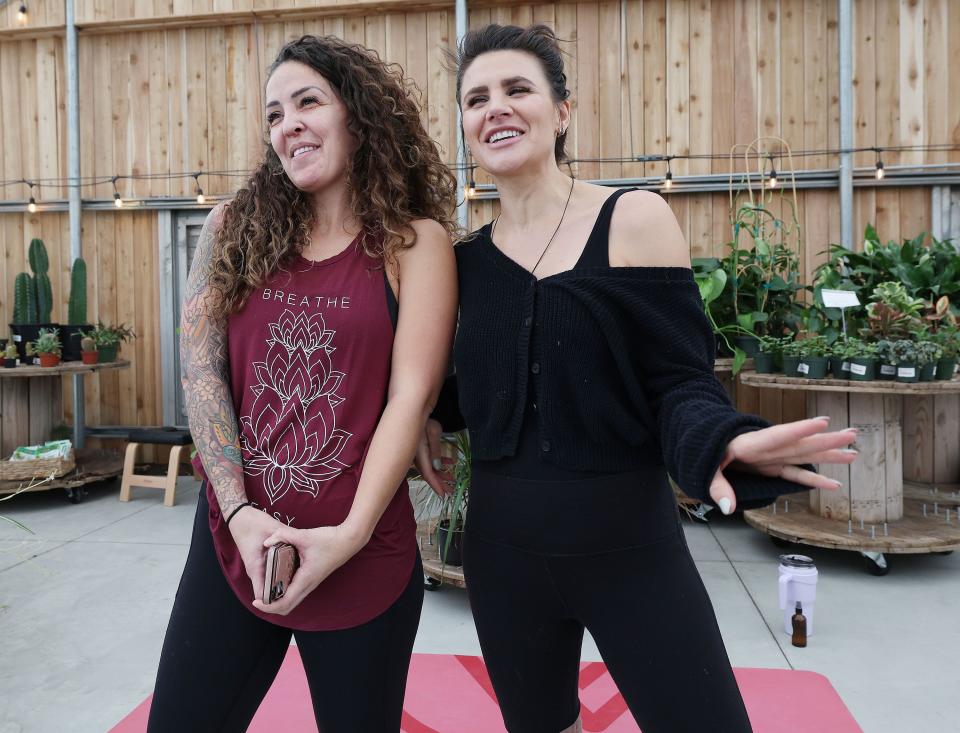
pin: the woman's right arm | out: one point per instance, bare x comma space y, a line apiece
206, 386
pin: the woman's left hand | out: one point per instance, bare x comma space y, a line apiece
322, 550
777, 451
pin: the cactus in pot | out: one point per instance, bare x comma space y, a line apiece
77, 324
88, 350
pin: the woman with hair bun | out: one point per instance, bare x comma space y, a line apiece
316, 329
584, 367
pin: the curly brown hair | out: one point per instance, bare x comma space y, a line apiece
395, 176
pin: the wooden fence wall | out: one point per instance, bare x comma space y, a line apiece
173, 86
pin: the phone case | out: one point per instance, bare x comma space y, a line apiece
282, 562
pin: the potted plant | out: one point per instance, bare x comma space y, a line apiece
77, 325
32, 299
813, 358
10, 356
108, 340
839, 353
928, 354
88, 350
886, 362
792, 353
948, 338
862, 360
770, 348
453, 508
904, 353
47, 347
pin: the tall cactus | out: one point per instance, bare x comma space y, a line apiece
40, 264
22, 288
77, 307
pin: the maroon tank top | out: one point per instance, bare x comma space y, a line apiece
310, 357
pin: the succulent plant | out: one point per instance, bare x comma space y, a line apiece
40, 264
10, 352
928, 352
48, 342
24, 300
88, 344
77, 306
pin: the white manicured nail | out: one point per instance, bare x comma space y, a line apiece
724, 505
437, 464
822, 417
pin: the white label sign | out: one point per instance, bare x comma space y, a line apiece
845, 367
906, 372
803, 368
888, 369
858, 369
839, 298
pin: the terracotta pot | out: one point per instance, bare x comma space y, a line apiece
89, 357
49, 360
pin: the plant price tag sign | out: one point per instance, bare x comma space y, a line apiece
840, 299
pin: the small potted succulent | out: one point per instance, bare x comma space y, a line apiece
88, 350
905, 357
10, 356
769, 348
886, 361
792, 353
862, 361
928, 354
47, 347
813, 360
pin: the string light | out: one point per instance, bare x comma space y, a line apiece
879, 173
471, 190
117, 201
22, 14
200, 197
32, 205
668, 179
772, 182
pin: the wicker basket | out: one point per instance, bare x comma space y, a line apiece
38, 468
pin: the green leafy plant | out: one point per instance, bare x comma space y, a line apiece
948, 339
903, 351
773, 344
48, 342
104, 335
928, 352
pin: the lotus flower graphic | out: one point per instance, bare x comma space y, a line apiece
290, 437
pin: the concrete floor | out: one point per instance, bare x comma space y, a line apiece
84, 603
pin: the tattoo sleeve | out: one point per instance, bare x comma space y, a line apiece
206, 381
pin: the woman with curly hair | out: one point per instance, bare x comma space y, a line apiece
318, 318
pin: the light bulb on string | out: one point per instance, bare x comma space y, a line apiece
668, 178
772, 181
471, 190
879, 172
32, 203
200, 197
117, 200
22, 16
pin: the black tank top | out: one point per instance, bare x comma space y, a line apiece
526, 463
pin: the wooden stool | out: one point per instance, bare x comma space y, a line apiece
178, 438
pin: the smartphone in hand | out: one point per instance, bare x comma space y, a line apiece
282, 563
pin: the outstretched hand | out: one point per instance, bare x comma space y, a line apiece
778, 451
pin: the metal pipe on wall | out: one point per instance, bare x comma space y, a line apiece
462, 206
73, 188
845, 28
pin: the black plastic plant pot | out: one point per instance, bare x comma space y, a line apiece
886, 372
24, 333
908, 373
452, 555
945, 368
862, 369
837, 368
928, 372
790, 364
763, 363
9, 363
70, 337
812, 367
748, 344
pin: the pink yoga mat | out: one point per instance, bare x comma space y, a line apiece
452, 694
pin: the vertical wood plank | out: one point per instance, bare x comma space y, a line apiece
918, 433
893, 457
587, 91
833, 504
868, 472
610, 90
654, 84
946, 456
723, 83
912, 128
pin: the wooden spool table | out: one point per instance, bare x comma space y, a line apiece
31, 404
873, 512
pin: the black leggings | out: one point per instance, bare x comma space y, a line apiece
544, 559
219, 660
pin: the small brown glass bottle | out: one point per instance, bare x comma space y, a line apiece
799, 623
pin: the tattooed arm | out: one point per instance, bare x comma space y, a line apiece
210, 411
206, 387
